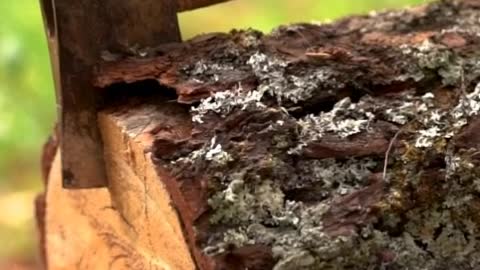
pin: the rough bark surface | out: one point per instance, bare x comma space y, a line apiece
351, 145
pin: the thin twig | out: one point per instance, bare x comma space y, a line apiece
390, 146
387, 153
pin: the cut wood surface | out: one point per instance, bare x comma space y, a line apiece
351, 145
131, 227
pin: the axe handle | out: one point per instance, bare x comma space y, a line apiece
184, 5
78, 32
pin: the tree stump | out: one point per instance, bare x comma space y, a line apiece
351, 145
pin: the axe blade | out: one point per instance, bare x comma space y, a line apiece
78, 31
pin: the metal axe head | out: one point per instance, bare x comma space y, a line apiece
78, 31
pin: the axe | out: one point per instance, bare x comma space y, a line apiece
78, 32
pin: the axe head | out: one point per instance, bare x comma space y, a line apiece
78, 32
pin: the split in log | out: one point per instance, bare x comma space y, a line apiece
352, 145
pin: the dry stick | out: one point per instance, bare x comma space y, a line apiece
390, 146
387, 153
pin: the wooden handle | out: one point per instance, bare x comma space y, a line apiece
48, 13
84, 29
184, 5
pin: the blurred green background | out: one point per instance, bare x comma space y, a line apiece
27, 106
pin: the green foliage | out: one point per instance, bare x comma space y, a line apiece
267, 14
26, 96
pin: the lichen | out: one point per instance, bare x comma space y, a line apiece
440, 60
261, 213
225, 102
276, 81
344, 120
234, 204
211, 152
414, 206
250, 38
468, 106
257, 210
403, 110
210, 70
435, 58
443, 123
333, 176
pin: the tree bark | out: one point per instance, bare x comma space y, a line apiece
351, 145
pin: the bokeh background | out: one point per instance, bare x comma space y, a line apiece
27, 105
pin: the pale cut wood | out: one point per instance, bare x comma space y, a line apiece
132, 226
138, 192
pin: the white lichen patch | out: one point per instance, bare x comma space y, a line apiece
295, 88
211, 152
334, 176
293, 229
315, 127
436, 126
240, 203
402, 114
440, 234
207, 70
303, 88
435, 57
233, 189
469, 105
250, 38
467, 23
300, 243
263, 65
441, 124
403, 110
457, 164
345, 119
202, 67
435, 123
217, 154
223, 103
426, 137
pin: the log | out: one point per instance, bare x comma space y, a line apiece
350, 145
